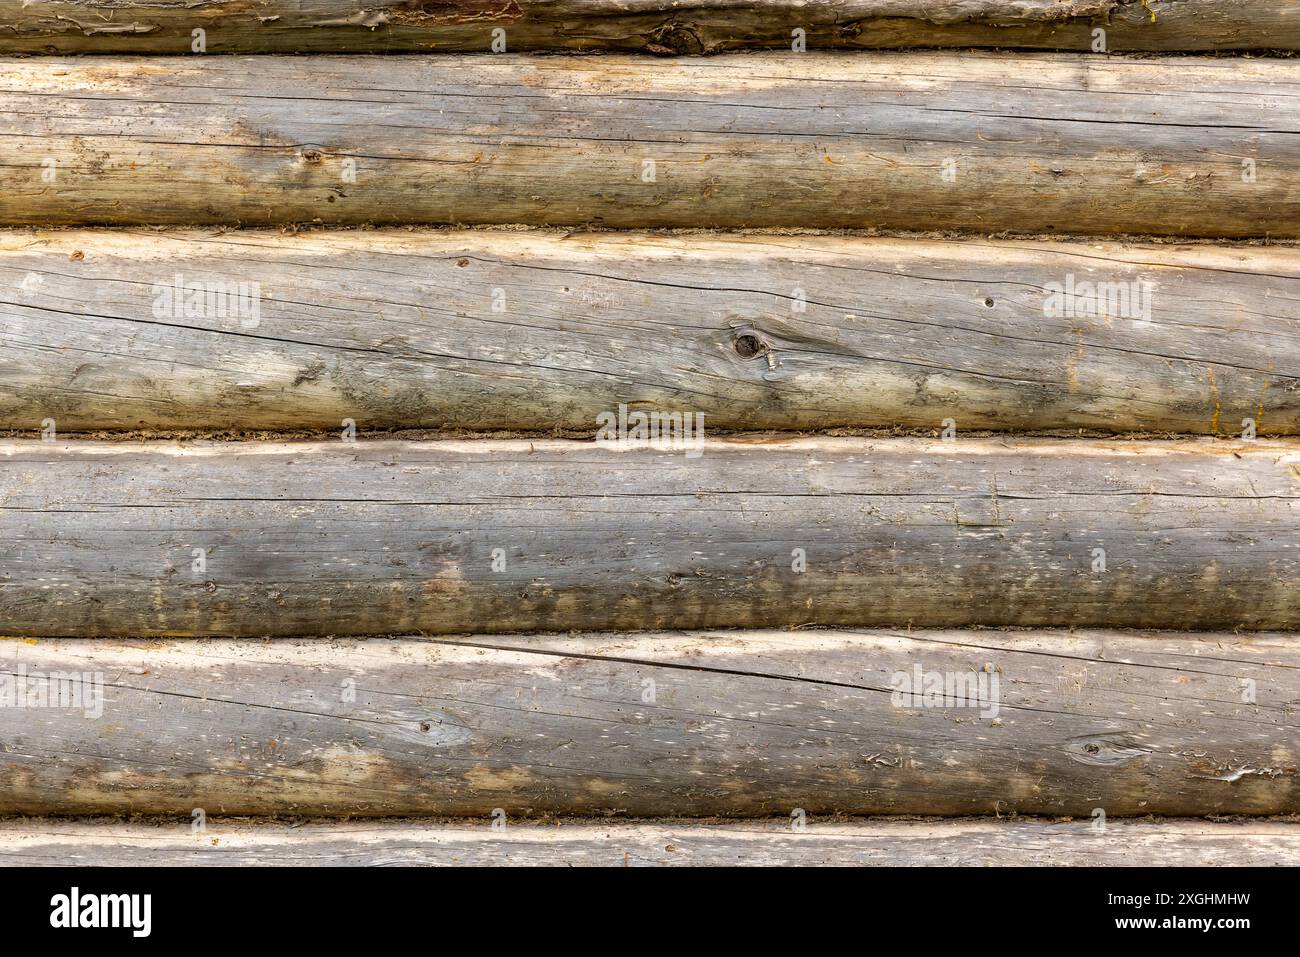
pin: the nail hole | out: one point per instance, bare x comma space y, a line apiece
748, 346
989, 303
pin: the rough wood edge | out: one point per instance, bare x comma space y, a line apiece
654, 26
925, 842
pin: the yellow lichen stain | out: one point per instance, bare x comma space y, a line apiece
1214, 391
25, 641
1072, 367
486, 778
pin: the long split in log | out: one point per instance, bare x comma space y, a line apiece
650, 26
1184, 146
698, 724
378, 537
542, 330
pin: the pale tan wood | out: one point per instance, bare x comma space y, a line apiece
973, 843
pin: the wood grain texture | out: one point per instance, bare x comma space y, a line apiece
909, 141
382, 537
543, 330
653, 844
680, 724
651, 26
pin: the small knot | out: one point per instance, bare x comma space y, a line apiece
1109, 749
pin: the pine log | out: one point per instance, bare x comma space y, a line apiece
1095, 725
925, 140
539, 330
644, 26
383, 537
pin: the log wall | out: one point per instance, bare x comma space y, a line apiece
628, 629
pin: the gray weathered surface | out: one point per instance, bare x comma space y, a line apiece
693, 724
907, 140
654, 26
398, 329
380, 537
653, 844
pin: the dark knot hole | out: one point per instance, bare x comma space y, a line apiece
748, 346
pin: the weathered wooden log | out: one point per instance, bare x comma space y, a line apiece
652, 26
542, 330
910, 141
968, 842
757, 723
266, 538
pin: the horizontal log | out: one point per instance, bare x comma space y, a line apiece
649, 26
967, 843
381, 537
733, 723
909, 141
542, 330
